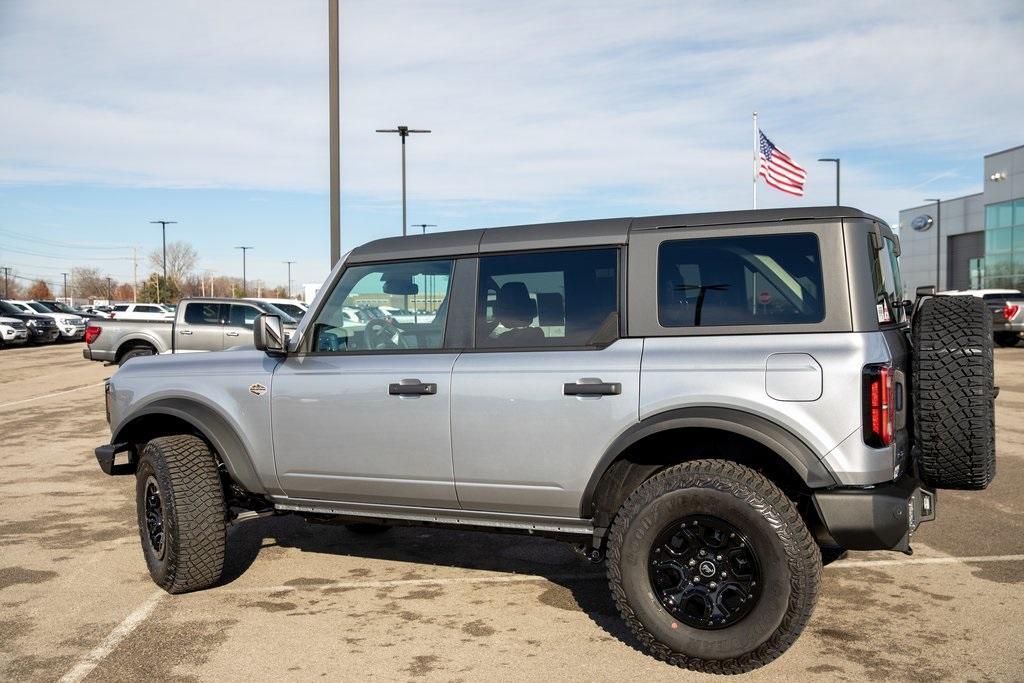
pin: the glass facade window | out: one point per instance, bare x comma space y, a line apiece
1004, 245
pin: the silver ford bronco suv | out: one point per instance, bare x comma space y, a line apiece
707, 403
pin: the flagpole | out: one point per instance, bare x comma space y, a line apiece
755, 159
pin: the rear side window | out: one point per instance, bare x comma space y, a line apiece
888, 284
547, 299
203, 314
744, 280
242, 316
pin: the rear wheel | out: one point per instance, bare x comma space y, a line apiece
135, 352
712, 567
181, 513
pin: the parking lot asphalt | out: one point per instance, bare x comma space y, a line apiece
303, 601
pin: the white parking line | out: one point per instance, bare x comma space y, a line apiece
86, 664
58, 393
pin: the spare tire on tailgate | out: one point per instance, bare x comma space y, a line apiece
954, 399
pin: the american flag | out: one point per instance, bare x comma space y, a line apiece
779, 171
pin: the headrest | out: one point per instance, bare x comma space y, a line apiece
513, 306
550, 309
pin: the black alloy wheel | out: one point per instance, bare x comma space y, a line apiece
154, 508
704, 572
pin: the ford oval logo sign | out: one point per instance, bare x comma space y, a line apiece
921, 223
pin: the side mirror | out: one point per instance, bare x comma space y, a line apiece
268, 335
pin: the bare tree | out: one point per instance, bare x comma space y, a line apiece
88, 283
181, 260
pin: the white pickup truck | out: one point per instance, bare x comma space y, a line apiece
202, 324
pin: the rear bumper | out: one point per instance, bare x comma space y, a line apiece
881, 517
999, 325
97, 354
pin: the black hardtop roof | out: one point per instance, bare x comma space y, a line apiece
604, 231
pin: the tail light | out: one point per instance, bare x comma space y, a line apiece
91, 333
1009, 311
879, 405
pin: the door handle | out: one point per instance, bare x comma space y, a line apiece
598, 388
231, 334
184, 331
412, 387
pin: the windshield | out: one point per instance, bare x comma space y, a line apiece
38, 307
285, 318
8, 309
293, 310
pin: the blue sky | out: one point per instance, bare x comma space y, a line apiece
113, 114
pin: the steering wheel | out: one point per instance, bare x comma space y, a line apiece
382, 333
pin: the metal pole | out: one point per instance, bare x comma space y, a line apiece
836, 162
938, 242
244, 249
404, 215
334, 93
163, 226
289, 277
109, 299
757, 145
65, 287
6, 291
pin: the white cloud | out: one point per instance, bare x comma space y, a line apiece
532, 103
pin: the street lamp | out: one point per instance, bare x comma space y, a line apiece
163, 226
938, 242
289, 277
66, 300
244, 249
837, 176
428, 281
403, 133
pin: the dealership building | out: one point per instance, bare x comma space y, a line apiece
980, 237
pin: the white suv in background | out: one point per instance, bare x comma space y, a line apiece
12, 331
140, 312
292, 307
72, 327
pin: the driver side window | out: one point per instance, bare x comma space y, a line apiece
385, 307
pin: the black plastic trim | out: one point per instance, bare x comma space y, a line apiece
778, 439
871, 518
105, 455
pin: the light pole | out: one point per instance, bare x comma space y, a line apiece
837, 177
334, 126
938, 242
163, 225
109, 299
428, 280
7, 272
424, 226
66, 301
403, 133
289, 277
244, 249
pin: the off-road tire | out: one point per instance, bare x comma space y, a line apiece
368, 528
788, 555
194, 513
954, 399
135, 352
1005, 339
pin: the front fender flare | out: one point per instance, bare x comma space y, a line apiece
211, 425
776, 438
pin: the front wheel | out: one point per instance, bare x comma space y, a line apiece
181, 513
712, 567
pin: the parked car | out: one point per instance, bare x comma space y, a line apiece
718, 397
404, 315
41, 329
292, 307
12, 332
201, 324
71, 326
61, 307
1007, 308
140, 312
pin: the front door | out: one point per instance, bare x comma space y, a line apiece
201, 327
240, 320
548, 387
362, 414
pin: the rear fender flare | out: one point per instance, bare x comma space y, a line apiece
797, 454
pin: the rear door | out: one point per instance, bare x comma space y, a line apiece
548, 386
240, 320
201, 327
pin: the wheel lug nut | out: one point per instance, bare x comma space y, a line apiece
718, 557
723, 575
713, 584
693, 562
702, 553
696, 579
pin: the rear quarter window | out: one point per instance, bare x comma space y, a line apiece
741, 280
